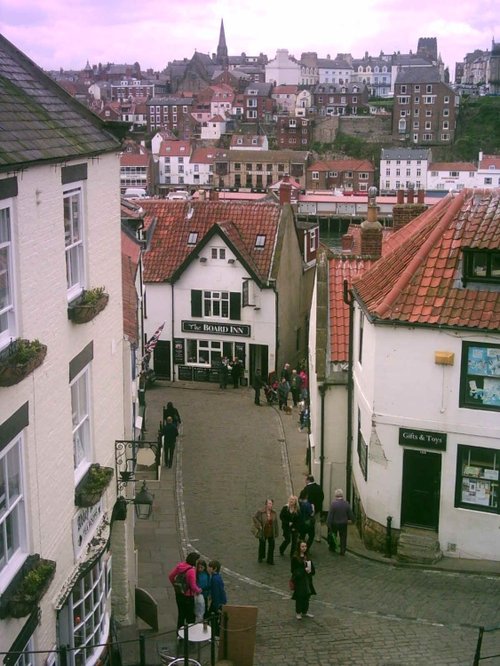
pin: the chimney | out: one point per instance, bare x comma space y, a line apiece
371, 229
347, 243
421, 196
411, 194
213, 195
400, 196
201, 195
285, 190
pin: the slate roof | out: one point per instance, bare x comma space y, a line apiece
238, 223
419, 75
39, 121
405, 154
418, 280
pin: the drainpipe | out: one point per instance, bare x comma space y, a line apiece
348, 299
322, 391
172, 333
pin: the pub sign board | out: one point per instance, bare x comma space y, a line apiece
422, 439
216, 328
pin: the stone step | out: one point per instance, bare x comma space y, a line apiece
418, 546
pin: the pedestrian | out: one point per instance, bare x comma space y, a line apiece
283, 390
236, 371
217, 594
223, 372
202, 600
339, 515
316, 496
304, 415
183, 579
266, 522
285, 372
257, 385
306, 529
170, 434
304, 384
170, 410
302, 572
295, 387
290, 524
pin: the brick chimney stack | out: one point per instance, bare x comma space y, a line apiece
285, 190
400, 197
402, 213
371, 229
213, 195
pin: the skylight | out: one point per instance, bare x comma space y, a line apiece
260, 241
193, 238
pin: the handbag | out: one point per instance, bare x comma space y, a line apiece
291, 585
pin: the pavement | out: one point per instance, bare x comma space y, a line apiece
370, 610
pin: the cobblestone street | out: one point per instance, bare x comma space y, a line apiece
232, 456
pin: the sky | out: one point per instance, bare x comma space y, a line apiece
67, 33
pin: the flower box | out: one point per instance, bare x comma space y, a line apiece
19, 360
91, 488
29, 588
88, 305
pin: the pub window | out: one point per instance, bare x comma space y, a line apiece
206, 352
216, 304
477, 478
480, 376
481, 266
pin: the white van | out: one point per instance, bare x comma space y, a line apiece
135, 193
178, 195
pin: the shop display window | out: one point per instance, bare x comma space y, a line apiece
477, 478
480, 377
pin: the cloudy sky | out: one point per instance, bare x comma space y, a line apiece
67, 33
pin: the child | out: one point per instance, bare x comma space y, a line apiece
217, 594
203, 581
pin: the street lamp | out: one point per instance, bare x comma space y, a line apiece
143, 503
126, 453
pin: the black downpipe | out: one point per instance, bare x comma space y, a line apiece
322, 390
348, 299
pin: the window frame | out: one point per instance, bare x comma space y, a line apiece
78, 247
216, 304
9, 309
84, 426
476, 385
476, 480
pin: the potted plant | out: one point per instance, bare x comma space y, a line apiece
32, 586
19, 359
92, 486
88, 305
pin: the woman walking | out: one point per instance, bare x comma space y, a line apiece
266, 522
290, 524
302, 572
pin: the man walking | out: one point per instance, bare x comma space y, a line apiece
339, 515
170, 433
257, 385
316, 496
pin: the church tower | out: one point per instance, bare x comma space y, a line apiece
222, 58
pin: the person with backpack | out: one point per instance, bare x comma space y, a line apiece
183, 579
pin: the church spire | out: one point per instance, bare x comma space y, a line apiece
222, 58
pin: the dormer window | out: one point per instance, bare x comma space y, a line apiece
481, 266
260, 241
193, 238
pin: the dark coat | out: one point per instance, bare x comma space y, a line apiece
170, 433
315, 495
303, 581
290, 520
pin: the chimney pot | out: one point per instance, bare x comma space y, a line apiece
400, 196
411, 196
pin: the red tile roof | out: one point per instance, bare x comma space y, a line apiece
238, 222
134, 159
342, 165
130, 262
418, 280
452, 166
490, 161
206, 155
342, 268
174, 148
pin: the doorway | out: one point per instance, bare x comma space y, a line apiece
421, 489
259, 361
161, 359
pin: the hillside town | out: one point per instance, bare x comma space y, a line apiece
173, 244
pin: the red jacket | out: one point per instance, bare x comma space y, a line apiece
193, 589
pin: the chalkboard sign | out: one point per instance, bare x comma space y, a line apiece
185, 372
178, 351
201, 374
239, 351
213, 375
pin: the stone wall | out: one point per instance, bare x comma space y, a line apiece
376, 129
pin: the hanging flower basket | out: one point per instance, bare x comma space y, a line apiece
34, 582
88, 305
19, 360
92, 486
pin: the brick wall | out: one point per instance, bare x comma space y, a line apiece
404, 213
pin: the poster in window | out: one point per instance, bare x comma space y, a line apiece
239, 351
179, 352
484, 361
476, 491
